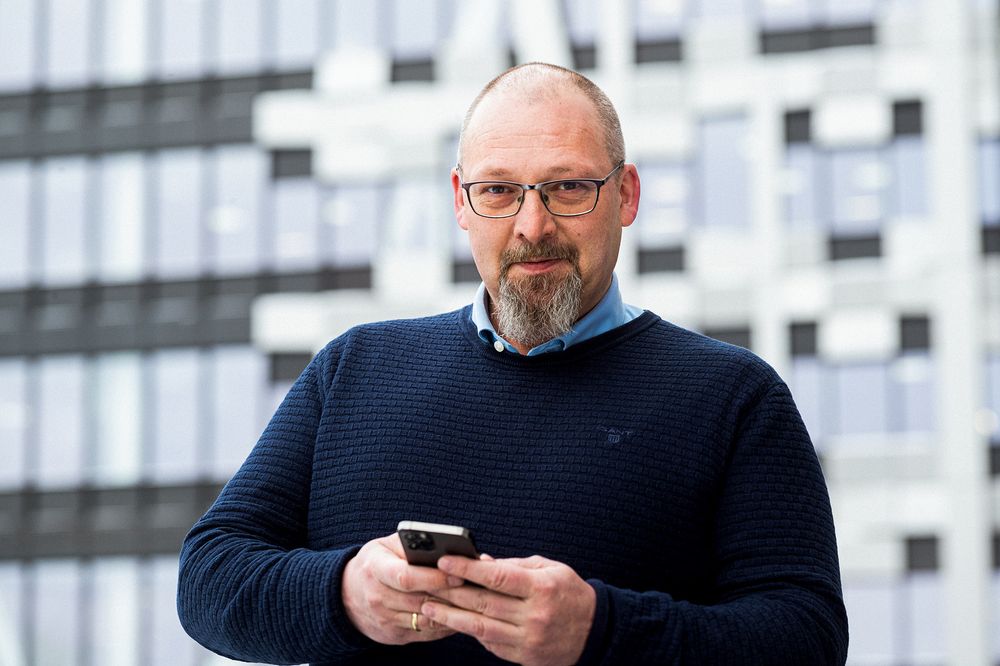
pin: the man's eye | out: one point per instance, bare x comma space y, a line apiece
571, 185
496, 188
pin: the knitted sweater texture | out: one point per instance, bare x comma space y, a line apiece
670, 471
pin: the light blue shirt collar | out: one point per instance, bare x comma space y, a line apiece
611, 312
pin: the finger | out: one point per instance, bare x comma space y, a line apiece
419, 623
486, 602
482, 628
417, 627
392, 542
395, 601
533, 562
392, 570
408, 578
498, 575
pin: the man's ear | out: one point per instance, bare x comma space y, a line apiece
628, 190
458, 199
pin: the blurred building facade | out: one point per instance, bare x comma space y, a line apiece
197, 194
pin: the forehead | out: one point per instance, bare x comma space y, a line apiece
526, 132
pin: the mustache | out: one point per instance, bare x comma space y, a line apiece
537, 251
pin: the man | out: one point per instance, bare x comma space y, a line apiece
645, 495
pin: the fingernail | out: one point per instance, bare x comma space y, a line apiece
445, 564
427, 610
455, 581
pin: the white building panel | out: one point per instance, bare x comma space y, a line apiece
855, 120
858, 334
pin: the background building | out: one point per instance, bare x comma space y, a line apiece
196, 194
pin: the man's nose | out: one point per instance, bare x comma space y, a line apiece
534, 221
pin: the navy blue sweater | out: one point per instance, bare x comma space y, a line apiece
671, 471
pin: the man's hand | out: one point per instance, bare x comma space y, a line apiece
530, 611
381, 592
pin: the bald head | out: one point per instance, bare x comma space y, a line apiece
538, 81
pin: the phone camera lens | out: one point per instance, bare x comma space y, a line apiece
419, 541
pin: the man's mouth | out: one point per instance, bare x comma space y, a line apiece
539, 265
537, 259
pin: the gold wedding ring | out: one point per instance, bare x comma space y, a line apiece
413, 621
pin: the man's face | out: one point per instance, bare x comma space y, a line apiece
534, 251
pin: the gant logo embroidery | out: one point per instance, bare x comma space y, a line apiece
616, 435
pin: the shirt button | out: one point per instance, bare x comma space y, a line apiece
498, 345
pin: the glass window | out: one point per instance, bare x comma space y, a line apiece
806, 382
296, 233
178, 178
414, 28
64, 220
861, 398
123, 41
847, 12
908, 184
12, 609
113, 623
298, 29
873, 608
118, 396
665, 212
122, 217
799, 182
56, 617
180, 28
176, 380
581, 20
926, 603
14, 416
350, 216
993, 392
858, 177
239, 385
912, 393
659, 19
996, 614
788, 14
722, 8
721, 173
989, 180
169, 645
15, 193
234, 219
61, 422
239, 30
413, 203
462, 249
356, 24
67, 38
17, 30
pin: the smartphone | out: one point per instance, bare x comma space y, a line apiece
424, 543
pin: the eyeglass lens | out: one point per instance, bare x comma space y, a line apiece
562, 197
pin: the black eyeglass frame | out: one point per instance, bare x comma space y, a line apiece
599, 182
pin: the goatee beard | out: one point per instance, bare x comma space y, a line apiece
534, 309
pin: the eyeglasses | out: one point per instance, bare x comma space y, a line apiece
566, 198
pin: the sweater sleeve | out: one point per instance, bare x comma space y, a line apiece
777, 594
248, 588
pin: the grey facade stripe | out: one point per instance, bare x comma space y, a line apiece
98, 522
155, 115
149, 315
